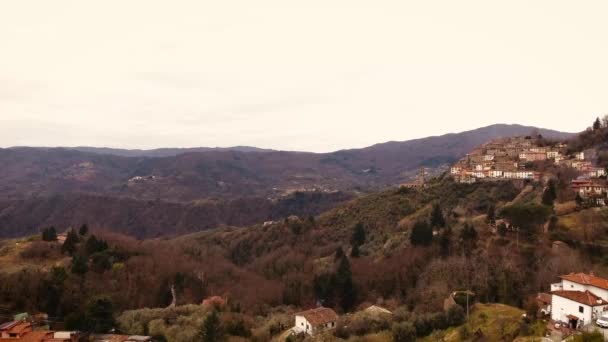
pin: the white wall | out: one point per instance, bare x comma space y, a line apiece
302, 325
572, 286
561, 307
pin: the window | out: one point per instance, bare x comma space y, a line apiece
302, 323
581, 309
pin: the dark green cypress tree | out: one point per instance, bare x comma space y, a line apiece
437, 219
491, 216
445, 242
550, 193
344, 285
357, 239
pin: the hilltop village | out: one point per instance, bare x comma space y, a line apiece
532, 158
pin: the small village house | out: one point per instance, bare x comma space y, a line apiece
533, 156
579, 299
214, 301
591, 189
15, 329
314, 321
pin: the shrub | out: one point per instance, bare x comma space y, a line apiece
404, 332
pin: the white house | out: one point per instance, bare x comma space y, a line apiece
495, 173
578, 299
314, 321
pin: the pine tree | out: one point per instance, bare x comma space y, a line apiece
71, 240
468, 237
99, 315
211, 330
79, 265
94, 245
422, 234
437, 219
84, 230
597, 124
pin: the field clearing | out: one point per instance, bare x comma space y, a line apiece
11, 260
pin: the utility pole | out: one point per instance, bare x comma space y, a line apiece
466, 269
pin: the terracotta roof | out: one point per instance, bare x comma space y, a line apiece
319, 316
544, 298
16, 327
572, 317
214, 300
587, 279
586, 297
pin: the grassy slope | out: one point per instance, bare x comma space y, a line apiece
495, 321
11, 260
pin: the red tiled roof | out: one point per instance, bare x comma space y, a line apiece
587, 279
16, 327
319, 316
214, 300
32, 336
586, 297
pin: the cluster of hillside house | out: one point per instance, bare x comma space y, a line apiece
578, 300
509, 158
505, 158
23, 330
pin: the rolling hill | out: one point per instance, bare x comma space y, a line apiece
53, 177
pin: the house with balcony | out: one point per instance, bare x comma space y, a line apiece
579, 299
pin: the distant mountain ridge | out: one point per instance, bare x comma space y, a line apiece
225, 173
39, 173
484, 133
157, 152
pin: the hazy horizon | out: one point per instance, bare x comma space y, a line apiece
313, 76
263, 147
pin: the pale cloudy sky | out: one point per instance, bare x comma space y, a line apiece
315, 75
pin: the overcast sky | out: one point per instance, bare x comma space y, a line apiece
296, 75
